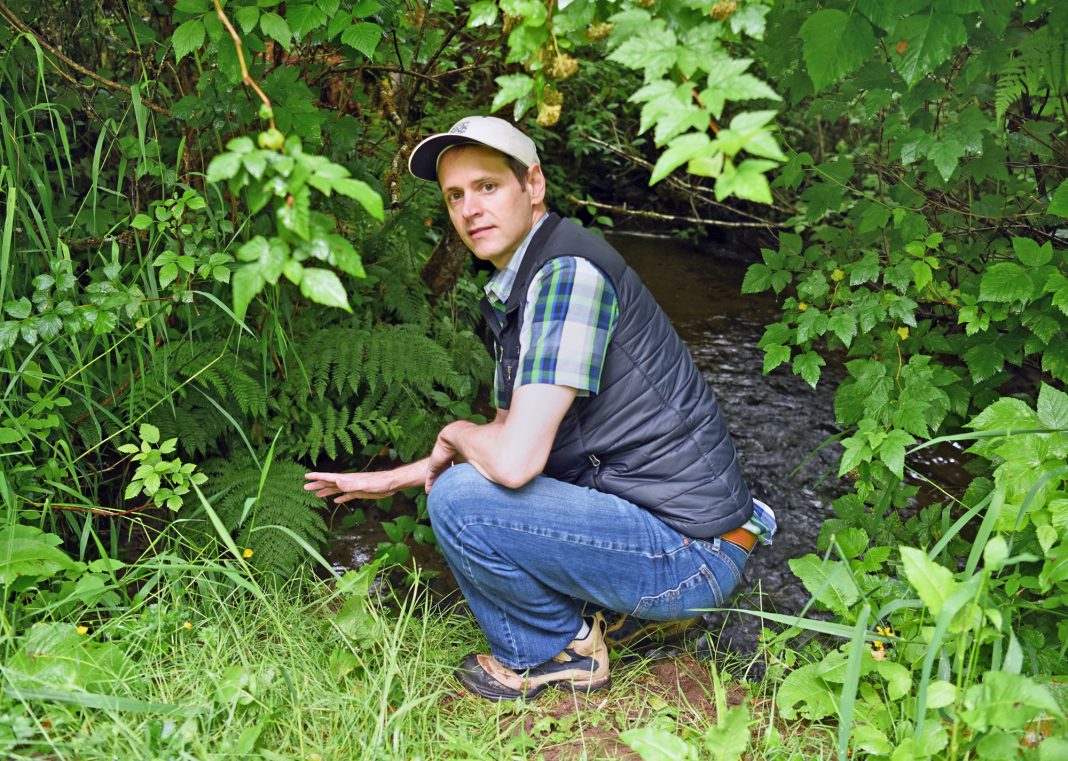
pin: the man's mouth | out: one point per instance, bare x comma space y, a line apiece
475, 232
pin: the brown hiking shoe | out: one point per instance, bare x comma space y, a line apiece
581, 666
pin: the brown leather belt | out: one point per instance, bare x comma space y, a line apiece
745, 539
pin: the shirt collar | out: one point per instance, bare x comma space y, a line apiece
500, 285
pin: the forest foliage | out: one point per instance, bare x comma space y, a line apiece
214, 272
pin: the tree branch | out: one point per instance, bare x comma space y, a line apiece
669, 217
22, 27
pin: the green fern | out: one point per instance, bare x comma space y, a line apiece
282, 502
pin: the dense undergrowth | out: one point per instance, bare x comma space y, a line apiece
215, 273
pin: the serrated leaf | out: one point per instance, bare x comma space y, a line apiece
654, 744
835, 44
775, 355
984, 360
932, 582
1058, 204
808, 366
363, 37
1052, 407
746, 181
682, 149
483, 13
512, 88
304, 18
828, 581
324, 287
844, 325
247, 16
367, 197
928, 40
275, 27
1031, 254
223, 167
946, 154
654, 51
149, 433
1005, 282
187, 38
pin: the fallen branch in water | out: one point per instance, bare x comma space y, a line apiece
668, 217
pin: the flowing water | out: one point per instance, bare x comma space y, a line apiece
777, 421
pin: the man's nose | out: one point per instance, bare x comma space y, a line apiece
472, 207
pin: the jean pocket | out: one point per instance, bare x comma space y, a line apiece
701, 590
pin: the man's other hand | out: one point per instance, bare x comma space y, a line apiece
350, 486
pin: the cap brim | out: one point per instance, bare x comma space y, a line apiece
423, 162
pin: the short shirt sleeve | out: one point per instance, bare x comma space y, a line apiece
570, 314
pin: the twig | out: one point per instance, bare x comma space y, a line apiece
667, 217
21, 26
679, 185
245, 76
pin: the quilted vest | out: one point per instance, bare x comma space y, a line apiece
654, 434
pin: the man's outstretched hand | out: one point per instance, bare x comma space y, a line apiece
349, 486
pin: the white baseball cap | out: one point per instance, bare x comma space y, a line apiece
481, 130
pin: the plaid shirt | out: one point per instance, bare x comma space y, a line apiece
570, 313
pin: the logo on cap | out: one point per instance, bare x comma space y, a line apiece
459, 128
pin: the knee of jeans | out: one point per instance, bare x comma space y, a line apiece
451, 494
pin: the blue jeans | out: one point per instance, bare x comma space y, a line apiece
526, 559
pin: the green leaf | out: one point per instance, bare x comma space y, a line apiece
1058, 204
223, 167
808, 366
828, 581
1007, 701
654, 744
247, 16
728, 738
928, 39
187, 38
324, 287
1031, 254
747, 181
512, 87
835, 44
932, 582
984, 360
654, 50
1006, 414
359, 190
149, 433
363, 37
483, 13
898, 678
757, 278
892, 451
167, 274
946, 154
1005, 282
804, 689
775, 355
275, 27
141, 222
1052, 407
304, 18
679, 151
20, 309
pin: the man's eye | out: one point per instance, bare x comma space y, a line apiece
489, 187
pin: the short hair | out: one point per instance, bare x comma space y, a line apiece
519, 169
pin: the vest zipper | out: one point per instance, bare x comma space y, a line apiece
596, 463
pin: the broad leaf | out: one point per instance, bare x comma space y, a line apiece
187, 38
924, 42
835, 44
933, 583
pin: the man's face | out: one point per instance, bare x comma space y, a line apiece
488, 207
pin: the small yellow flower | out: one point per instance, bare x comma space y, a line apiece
186, 625
247, 553
837, 275
903, 331
802, 306
82, 630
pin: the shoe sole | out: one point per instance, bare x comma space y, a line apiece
533, 692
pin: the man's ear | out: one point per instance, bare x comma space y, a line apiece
536, 184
